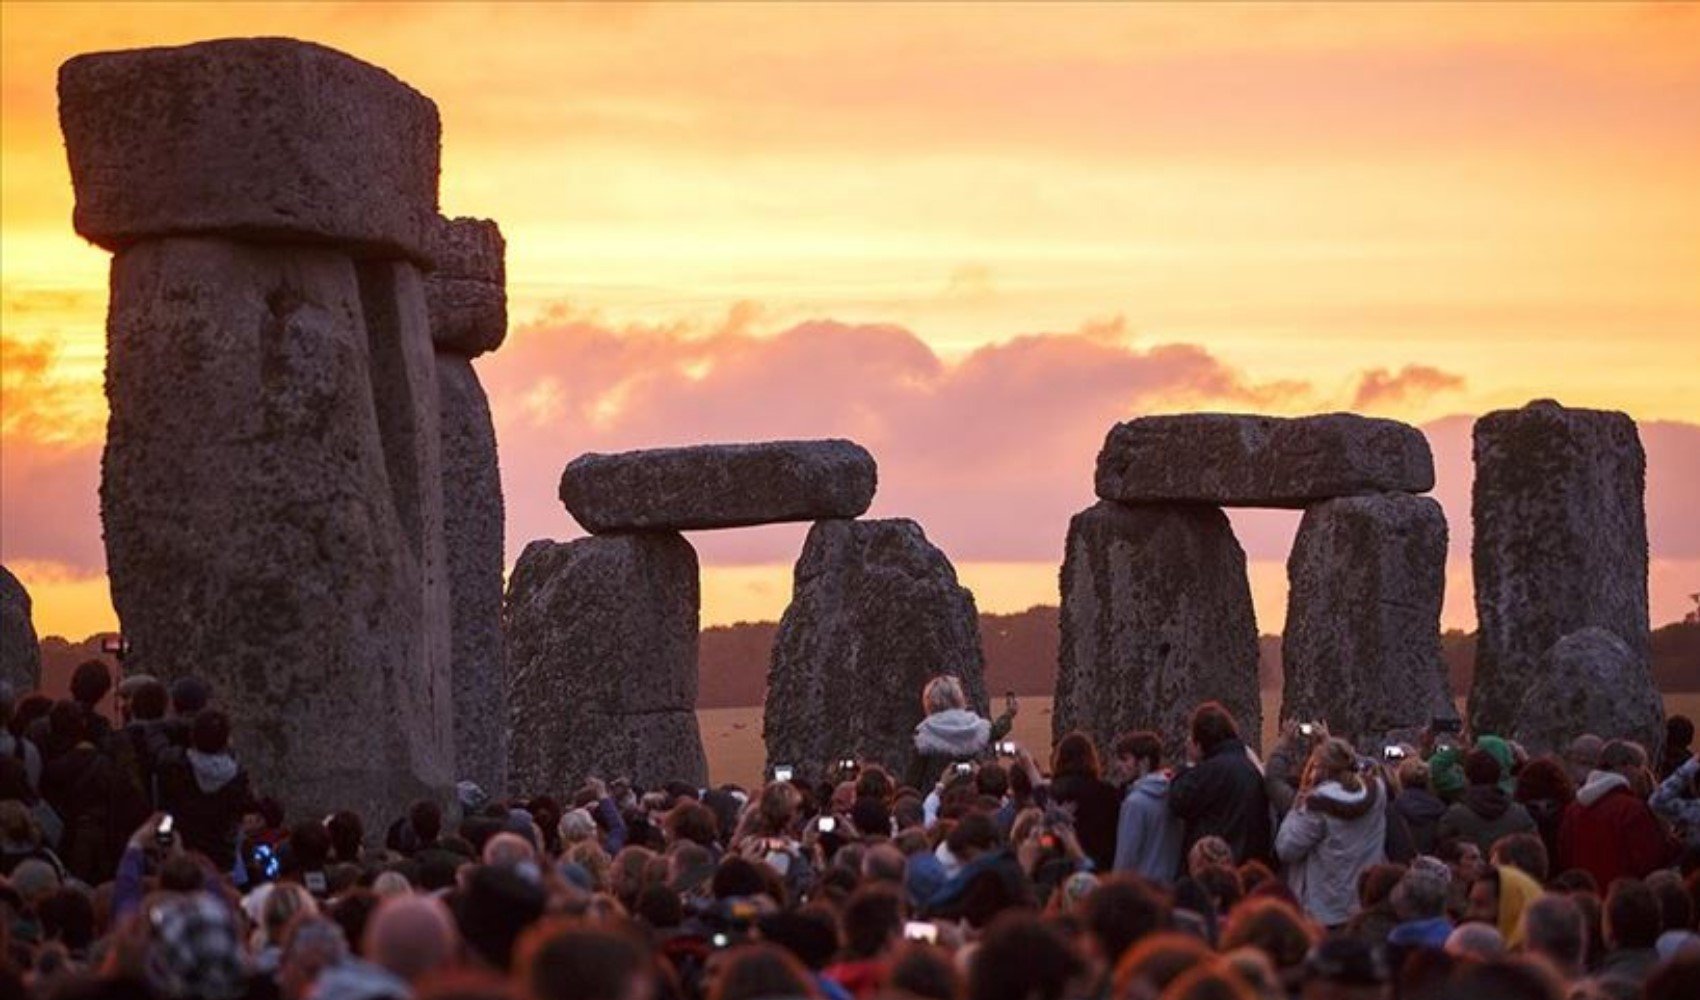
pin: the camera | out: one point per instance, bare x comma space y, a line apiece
783, 772
1006, 748
921, 930
163, 833
1307, 729
1393, 752
828, 824
847, 763
964, 768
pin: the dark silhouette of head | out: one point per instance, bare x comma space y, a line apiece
1212, 725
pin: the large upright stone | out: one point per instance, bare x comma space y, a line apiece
1234, 460
20, 654
719, 486
1361, 648
875, 612
272, 504
254, 138
472, 532
1156, 618
1560, 544
467, 292
602, 663
1590, 681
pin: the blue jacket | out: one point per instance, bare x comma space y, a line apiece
1148, 835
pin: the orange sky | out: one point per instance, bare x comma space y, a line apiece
1064, 214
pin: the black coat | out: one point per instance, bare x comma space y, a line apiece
207, 822
1096, 807
1223, 796
81, 784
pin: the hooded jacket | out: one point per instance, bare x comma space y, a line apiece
1148, 835
207, 793
1610, 833
1517, 890
944, 738
1327, 841
1223, 795
1485, 814
1421, 811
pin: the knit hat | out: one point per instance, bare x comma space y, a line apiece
194, 950
1500, 751
1446, 772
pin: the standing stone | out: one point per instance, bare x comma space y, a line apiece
1560, 544
1590, 681
1235, 460
602, 663
875, 612
1361, 648
1156, 618
472, 532
719, 486
271, 489
272, 503
20, 654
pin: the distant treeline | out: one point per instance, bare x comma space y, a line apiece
1021, 656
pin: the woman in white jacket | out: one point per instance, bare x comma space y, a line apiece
1336, 828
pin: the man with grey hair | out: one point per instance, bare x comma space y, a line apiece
1582, 756
1553, 928
1419, 901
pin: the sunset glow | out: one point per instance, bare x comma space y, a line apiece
970, 237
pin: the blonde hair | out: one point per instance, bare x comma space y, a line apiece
942, 694
1333, 760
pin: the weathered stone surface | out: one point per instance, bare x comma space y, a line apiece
1156, 618
1234, 460
468, 293
719, 486
1560, 544
20, 654
1361, 648
472, 530
252, 138
272, 504
602, 662
875, 612
1590, 681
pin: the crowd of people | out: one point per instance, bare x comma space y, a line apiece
136, 860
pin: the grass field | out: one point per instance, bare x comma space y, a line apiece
732, 736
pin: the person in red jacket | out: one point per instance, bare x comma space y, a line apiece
1609, 831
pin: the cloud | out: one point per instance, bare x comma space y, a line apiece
1410, 384
991, 452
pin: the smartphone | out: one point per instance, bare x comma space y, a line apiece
1393, 752
964, 768
1006, 748
921, 930
720, 939
1307, 729
847, 763
828, 824
162, 833
783, 772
